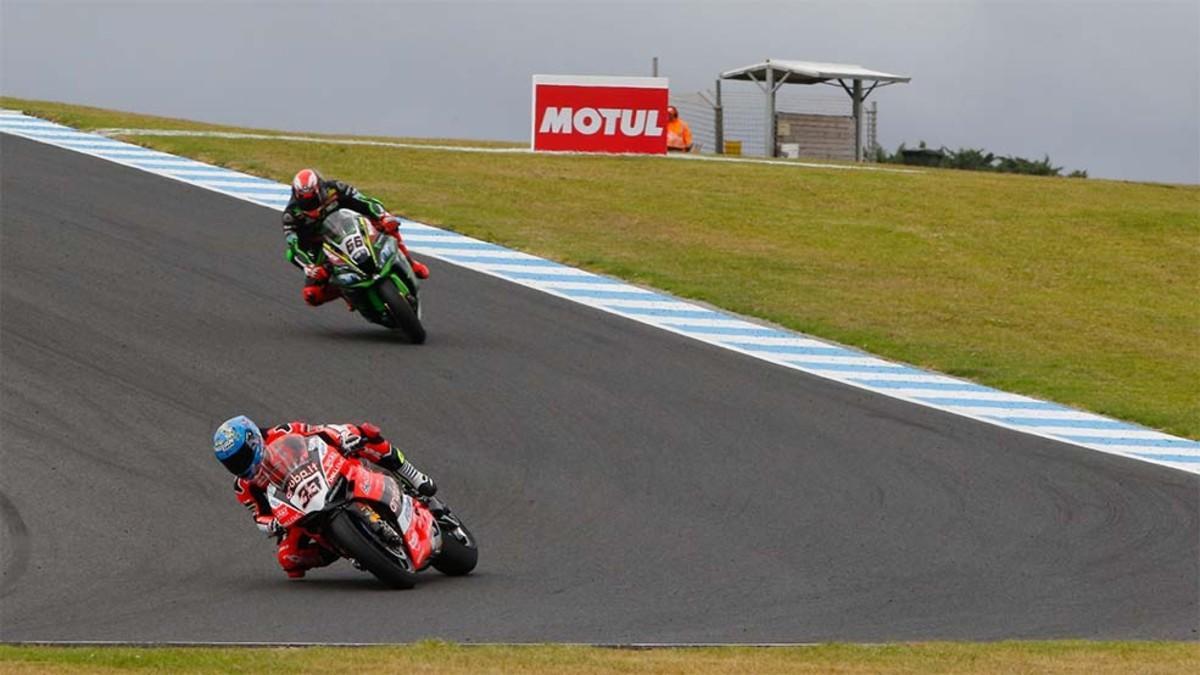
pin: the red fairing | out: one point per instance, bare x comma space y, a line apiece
380, 488
368, 484
287, 516
419, 536
333, 464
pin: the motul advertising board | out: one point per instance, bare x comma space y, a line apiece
580, 113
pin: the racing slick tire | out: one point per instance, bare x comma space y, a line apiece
355, 538
406, 320
457, 557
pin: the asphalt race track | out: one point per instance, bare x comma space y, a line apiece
626, 484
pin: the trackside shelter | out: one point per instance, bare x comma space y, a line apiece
772, 74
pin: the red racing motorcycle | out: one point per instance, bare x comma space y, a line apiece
363, 513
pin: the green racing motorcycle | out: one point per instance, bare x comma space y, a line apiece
372, 273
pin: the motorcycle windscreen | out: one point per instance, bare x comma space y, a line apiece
339, 225
348, 235
293, 465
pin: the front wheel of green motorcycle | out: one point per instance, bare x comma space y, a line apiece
404, 318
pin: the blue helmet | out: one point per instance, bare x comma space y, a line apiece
238, 445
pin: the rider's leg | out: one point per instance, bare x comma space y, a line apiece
389, 457
392, 227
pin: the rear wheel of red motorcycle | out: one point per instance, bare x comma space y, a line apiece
457, 557
356, 539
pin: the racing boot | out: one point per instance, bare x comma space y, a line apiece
420, 483
418, 268
417, 480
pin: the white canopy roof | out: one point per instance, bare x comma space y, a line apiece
809, 72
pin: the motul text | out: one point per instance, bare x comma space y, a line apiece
588, 121
599, 114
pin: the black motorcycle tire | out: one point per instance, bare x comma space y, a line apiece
355, 539
456, 558
405, 318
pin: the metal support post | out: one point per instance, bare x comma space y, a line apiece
873, 131
719, 122
858, 101
770, 110
654, 67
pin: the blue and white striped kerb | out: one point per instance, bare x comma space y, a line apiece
781, 347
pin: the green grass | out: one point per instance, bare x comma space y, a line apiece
1093, 658
1079, 291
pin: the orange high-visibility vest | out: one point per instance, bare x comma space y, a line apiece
679, 135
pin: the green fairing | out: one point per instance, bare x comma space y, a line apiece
404, 290
387, 267
376, 302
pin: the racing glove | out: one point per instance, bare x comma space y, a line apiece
269, 526
370, 432
350, 439
388, 223
317, 273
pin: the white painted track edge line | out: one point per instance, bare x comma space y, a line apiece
126, 162
883, 392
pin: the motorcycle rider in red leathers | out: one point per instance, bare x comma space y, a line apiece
239, 445
314, 198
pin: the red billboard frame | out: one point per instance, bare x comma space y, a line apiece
587, 113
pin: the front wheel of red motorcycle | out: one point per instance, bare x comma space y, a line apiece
353, 536
459, 553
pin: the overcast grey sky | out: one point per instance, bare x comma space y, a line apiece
1111, 87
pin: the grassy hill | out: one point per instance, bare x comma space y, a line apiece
1079, 291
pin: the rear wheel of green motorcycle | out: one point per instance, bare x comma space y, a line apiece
457, 557
402, 313
354, 537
